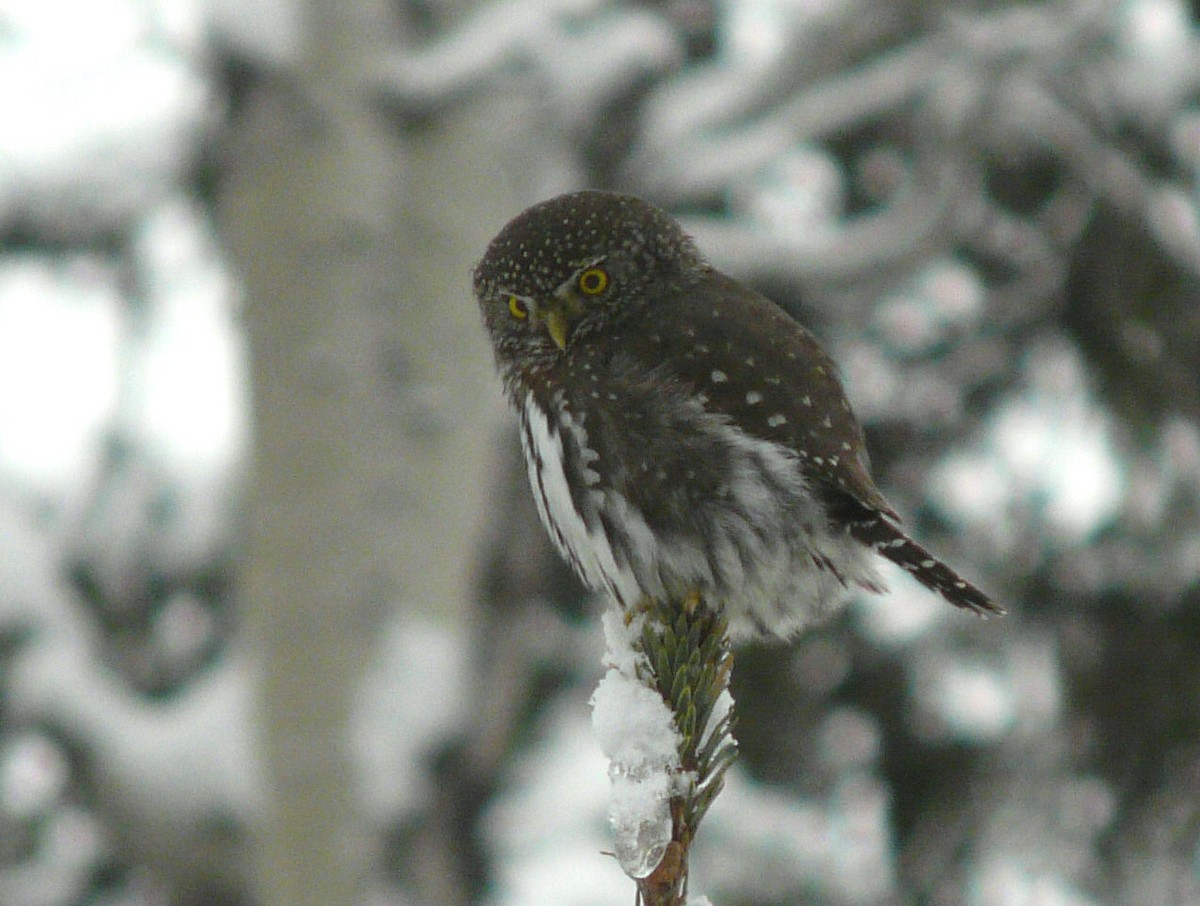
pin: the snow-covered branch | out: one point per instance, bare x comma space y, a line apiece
664, 717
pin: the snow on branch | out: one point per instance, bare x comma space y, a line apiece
663, 717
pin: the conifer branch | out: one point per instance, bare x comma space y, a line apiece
678, 659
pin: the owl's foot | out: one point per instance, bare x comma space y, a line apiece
644, 605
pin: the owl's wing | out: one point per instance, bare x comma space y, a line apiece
756, 365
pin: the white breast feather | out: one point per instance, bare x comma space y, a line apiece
776, 521
588, 549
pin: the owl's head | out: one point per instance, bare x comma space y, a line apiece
574, 265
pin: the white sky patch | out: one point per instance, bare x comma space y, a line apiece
1061, 453
1003, 881
801, 188
756, 32
963, 700
1153, 29
636, 731
34, 774
108, 116
861, 837
81, 361
564, 873
1018, 693
59, 326
907, 612
766, 844
414, 700
1047, 449
548, 824
972, 485
75, 26
190, 380
103, 128
945, 297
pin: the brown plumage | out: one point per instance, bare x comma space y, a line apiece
682, 432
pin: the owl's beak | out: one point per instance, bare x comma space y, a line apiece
556, 325
560, 312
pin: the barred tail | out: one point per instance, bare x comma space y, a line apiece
890, 542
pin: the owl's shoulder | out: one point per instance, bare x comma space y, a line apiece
715, 317
749, 360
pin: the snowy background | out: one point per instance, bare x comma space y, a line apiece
277, 622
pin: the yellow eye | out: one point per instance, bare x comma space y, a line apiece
593, 281
517, 308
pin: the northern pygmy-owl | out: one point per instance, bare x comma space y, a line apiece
683, 434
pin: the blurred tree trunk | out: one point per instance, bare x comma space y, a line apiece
374, 420
306, 219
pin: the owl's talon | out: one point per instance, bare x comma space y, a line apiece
644, 605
